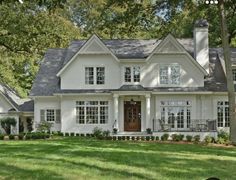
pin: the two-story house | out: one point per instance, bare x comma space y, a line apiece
132, 85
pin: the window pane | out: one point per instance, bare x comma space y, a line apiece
180, 117
136, 74
80, 116
175, 74
227, 124
92, 115
89, 75
127, 74
234, 74
100, 75
103, 114
164, 75
220, 116
50, 115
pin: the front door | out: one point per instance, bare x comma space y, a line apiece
132, 116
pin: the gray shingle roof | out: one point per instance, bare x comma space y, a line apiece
47, 83
18, 103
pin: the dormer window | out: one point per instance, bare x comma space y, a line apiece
169, 74
94, 75
132, 74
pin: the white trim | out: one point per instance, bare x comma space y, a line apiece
178, 46
9, 101
80, 51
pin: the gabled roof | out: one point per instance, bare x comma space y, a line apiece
86, 49
17, 103
47, 83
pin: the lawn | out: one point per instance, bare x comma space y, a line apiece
81, 158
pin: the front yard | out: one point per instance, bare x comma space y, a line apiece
81, 158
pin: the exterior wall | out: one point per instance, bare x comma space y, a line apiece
4, 105
68, 114
74, 76
191, 76
46, 103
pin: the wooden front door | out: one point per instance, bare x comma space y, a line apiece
132, 116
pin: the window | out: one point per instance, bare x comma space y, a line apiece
234, 74
223, 114
176, 113
170, 74
50, 115
92, 112
94, 73
132, 74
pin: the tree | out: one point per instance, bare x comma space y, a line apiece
228, 65
6, 124
26, 31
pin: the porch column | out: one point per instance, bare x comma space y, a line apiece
116, 110
148, 109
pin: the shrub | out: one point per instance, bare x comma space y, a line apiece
164, 137
44, 126
123, 137
149, 131
28, 136
142, 138
21, 136
119, 138
181, 137
174, 137
157, 138
6, 124
189, 138
137, 138
208, 139
106, 133
196, 139
133, 138
97, 132
66, 134
148, 138
11, 136
72, 134
1, 136
223, 137
153, 138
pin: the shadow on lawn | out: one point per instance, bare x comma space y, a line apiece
147, 156
13, 172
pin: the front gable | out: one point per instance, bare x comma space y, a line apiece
170, 46
94, 46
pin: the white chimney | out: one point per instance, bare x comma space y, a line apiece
201, 43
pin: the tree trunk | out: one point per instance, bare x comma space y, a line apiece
229, 76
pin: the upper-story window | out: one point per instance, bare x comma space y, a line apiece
234, 74
170, 74
94, 75
132, 74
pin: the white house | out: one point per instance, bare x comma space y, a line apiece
11, 105
175, 85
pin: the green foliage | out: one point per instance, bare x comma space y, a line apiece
177, 137
23, 42
6, 124
157, 138
208, 139
165, 137
223, 137
196, 139
11, 136
1, 136
97, 132
106, 133
44, 126
189, 138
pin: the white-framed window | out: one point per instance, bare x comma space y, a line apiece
94, 75
234, 74
132, 74
169, 74
223, 114
176, 113
91, 112
50, 115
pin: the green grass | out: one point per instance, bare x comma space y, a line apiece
81, 158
